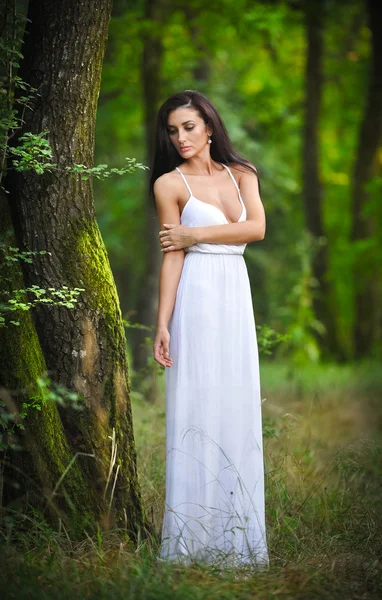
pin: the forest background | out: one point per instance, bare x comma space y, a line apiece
296, 98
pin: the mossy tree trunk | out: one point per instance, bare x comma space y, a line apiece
83, 347
35, 469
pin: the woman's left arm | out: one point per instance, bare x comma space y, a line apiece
251, 230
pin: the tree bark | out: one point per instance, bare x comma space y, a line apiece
367, 315
312, 190
46, 453
84, 347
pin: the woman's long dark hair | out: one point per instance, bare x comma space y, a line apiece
166, 157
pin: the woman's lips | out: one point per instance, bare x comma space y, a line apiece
185, 148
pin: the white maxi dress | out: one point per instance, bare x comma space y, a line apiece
214, 510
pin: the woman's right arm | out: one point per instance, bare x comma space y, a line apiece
171, 269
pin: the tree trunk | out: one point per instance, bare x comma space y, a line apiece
312, 192
202, 70
35, 471
84, 347
155, 14
367, 317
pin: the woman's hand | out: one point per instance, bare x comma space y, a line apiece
176, 237
162, 347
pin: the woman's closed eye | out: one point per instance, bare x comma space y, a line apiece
186, 128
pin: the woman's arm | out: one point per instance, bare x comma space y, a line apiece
169, 277
253, 229
170, 272
231, 233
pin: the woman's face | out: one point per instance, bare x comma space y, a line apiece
187, 131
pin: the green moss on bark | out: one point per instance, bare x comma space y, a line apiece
87, 265
46, 454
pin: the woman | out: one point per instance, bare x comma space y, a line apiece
209, 207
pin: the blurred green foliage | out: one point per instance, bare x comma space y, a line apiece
253, 57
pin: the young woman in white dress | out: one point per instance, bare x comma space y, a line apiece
209, 207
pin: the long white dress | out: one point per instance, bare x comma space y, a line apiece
214, 508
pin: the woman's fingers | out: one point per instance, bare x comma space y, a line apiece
162, 349
161, 360
166, 354
161, 357
158, 353
165, 362
167, 231
165, 243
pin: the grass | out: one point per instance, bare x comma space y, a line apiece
323, 462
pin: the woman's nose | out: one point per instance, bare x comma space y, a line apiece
181, 137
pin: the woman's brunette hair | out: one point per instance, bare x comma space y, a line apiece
166, 157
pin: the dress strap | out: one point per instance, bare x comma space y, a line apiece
233, 179
185, 180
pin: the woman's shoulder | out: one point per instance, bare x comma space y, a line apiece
167, 182
239, 170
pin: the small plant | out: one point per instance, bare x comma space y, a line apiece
25, 298
268, 339
35, 154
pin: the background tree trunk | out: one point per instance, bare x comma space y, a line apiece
367, 317
202, 69
312, 191
155, 15
84, 347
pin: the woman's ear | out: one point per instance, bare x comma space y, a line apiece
209, 131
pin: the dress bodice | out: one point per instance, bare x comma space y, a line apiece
197, 213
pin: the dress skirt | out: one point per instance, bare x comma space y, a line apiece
214, 508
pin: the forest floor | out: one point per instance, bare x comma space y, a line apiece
323, 461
